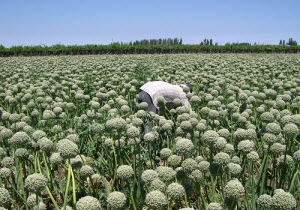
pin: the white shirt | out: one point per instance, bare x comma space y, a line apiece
159, 88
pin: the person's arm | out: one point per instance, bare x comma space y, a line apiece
190, 107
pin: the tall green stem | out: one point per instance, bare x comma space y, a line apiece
253, 192
68, 184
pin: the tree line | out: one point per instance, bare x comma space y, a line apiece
291, 42
169, 41
150, 46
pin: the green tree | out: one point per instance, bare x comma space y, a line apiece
292, 42
180, 41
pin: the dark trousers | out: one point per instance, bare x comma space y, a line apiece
145, 97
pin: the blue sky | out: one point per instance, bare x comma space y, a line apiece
34, 22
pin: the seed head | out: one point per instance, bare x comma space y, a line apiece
7, 162
133, 132
234, 189
5, 199
176, 191
5, 173
186, 125
273, 128
177, 102
31, 200
296, 119
277, 148
222, 158
210, 137
240, 134
246, 146
234, 169
86, 171
194, 122
229, 148
137, 122
189, 165
116, 123
88, 203
201, 127
224, 133
253, 156
291, 130
283, 200
296, 156
42, 206
20, 139
74, 138
196, 176
195, 100
125, 172
38, 134
149, 175
199, 159
46, 145
174, 160
220, 143
6, 134
166, 174
116, 200
165, 153
67, 149
184, 146
22, 153
286, 119
56, 159
213, 114
236, 159
204, 166
265, 201
35, 183
270, 138
214, 206
157, 184
149, 137
155, 199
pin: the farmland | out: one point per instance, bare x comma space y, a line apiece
72, 133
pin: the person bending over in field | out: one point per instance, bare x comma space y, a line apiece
151, 91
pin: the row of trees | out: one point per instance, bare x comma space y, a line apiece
207, 42
117, 48
291, 42
169, 41
170, 45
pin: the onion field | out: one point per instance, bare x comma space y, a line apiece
72, 133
